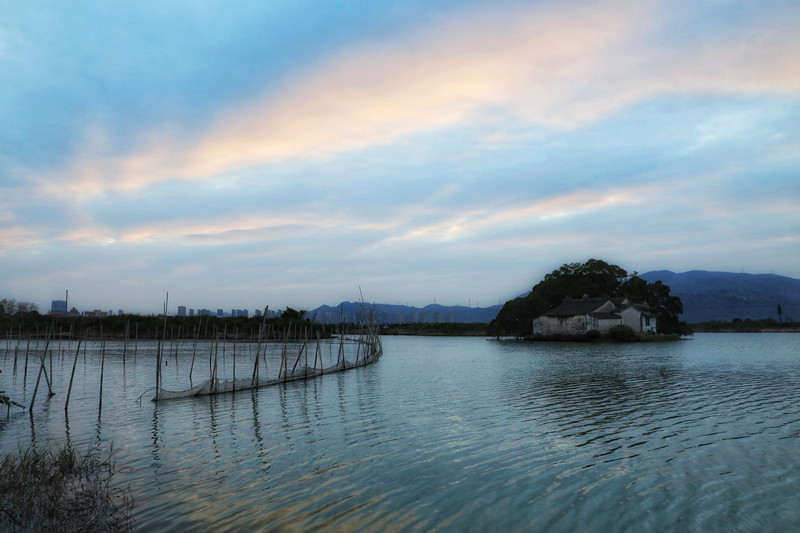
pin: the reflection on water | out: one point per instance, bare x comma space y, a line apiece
446, 433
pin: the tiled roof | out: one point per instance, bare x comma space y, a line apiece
605, 316
571, 307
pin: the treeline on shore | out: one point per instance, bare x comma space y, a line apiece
737, 325
444, 329
134, 326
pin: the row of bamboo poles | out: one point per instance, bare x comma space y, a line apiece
366, 336
165, 346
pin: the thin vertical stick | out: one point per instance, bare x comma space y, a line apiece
51, 365
25, 378
158, 364
214, 372
305, 347
43, 358
27, 350
35, 389
194, 350
125, 344
102, 368
72, 376
255, 364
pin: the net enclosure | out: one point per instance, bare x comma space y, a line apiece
300, 358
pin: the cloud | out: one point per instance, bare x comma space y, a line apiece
561, 65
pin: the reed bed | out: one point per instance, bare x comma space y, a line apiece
62, 490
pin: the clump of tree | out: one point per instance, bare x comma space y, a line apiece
14, 314
594, 278
13, 307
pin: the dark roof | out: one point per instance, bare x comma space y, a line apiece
605, 316
644, 309
571, 307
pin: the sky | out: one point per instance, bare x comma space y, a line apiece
245, 154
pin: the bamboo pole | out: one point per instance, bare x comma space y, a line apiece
25, 377
102, 369
49, 382
158, 364
16, 350
125, 343
27, 351
194, 350
318, 354
72, 376
255, 363
214, 373
36, 388
44, 356
211, 353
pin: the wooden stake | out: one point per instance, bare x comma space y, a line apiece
36, 388
72, 376
102, 369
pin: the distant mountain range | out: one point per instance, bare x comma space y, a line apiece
724, 296
705, 295
403, 314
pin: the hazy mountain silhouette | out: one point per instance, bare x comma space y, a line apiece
705, 295
400, 314
726, 295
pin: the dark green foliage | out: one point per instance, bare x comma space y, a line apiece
592, 334
290, 313
572, 280
46, 490
621, 334
657, 296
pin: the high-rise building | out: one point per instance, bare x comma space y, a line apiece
181, 310
58, 307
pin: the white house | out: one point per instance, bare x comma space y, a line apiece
639, 318
579, 316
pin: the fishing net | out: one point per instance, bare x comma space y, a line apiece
351, 353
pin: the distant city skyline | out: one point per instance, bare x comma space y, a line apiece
296, 154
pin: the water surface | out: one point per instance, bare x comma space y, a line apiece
448, 434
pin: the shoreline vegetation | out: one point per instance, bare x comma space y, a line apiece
737, 325
46, 489
242, 329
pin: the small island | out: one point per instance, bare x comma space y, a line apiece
593, 301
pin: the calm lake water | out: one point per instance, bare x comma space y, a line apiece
447, 434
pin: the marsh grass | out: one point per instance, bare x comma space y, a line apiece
61, 490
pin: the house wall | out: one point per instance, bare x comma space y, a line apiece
633, 318
603, 325
557, 325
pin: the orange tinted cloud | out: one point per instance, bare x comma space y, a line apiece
563, 66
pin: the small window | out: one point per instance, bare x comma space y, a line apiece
647, 321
